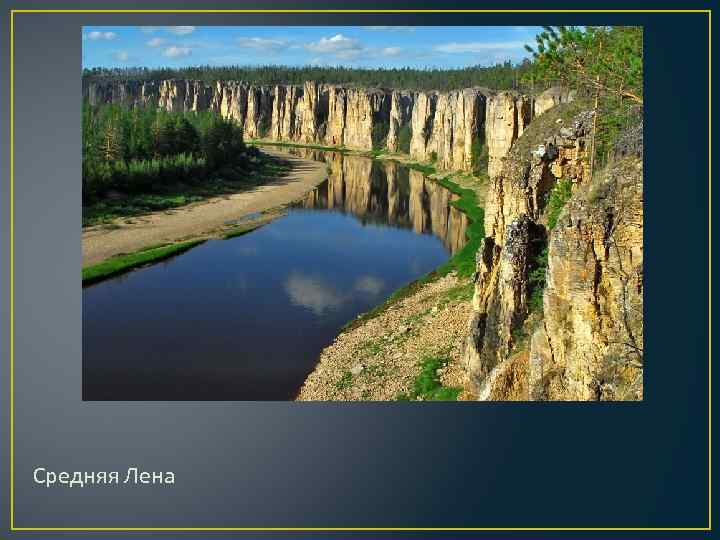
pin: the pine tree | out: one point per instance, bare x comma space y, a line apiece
111, 143
603, 63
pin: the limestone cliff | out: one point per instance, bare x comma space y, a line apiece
401, 108
590, 343
259, 112
501, 294
532, 168
507, 116
586, 340
337, 105
444, 127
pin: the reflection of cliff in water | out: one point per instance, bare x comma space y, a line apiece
386, 192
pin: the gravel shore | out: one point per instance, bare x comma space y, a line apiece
380, 359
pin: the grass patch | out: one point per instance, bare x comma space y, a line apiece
427, 385
375, 371
416, 317
459, 293
371, 347
345, 381
243, 230
463, 262
424, 168
124, 263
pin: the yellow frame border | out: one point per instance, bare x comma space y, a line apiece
317, 529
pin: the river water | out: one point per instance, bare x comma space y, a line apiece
246, 318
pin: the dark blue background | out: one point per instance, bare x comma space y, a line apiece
501, 464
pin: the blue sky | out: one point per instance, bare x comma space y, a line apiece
358, 46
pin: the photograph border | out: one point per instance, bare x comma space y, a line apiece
12, 13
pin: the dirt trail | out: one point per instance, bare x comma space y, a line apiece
203, 218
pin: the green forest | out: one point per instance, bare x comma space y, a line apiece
498, 77
137, 150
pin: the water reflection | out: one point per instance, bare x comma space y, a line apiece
313, 292
389, 193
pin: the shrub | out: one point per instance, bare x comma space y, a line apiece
560, 195
479, 156
536, 280
379, 135
404, 138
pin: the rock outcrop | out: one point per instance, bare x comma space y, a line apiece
507, 116
367, 111
443, 127
500, 300
586, 342
258, 116
590, 343
551, 97
446, 125
531, 170
401, 107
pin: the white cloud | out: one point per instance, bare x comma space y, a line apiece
261, 43
96, 36
338, 45
181, 30
177, 52
477, 46
389, 28
155, 42
390, 51
148, 29
121, 56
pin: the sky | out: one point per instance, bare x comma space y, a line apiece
355, 46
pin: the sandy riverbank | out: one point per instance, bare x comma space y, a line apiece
200, 219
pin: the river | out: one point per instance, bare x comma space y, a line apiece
246, 318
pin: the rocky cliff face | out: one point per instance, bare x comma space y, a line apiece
501, 295
507, 116
444, 126
551, 97
586, 341
401, 107
590, 343
530, 172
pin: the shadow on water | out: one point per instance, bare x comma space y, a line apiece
246, 318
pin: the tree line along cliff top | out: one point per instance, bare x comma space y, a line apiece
504, 76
